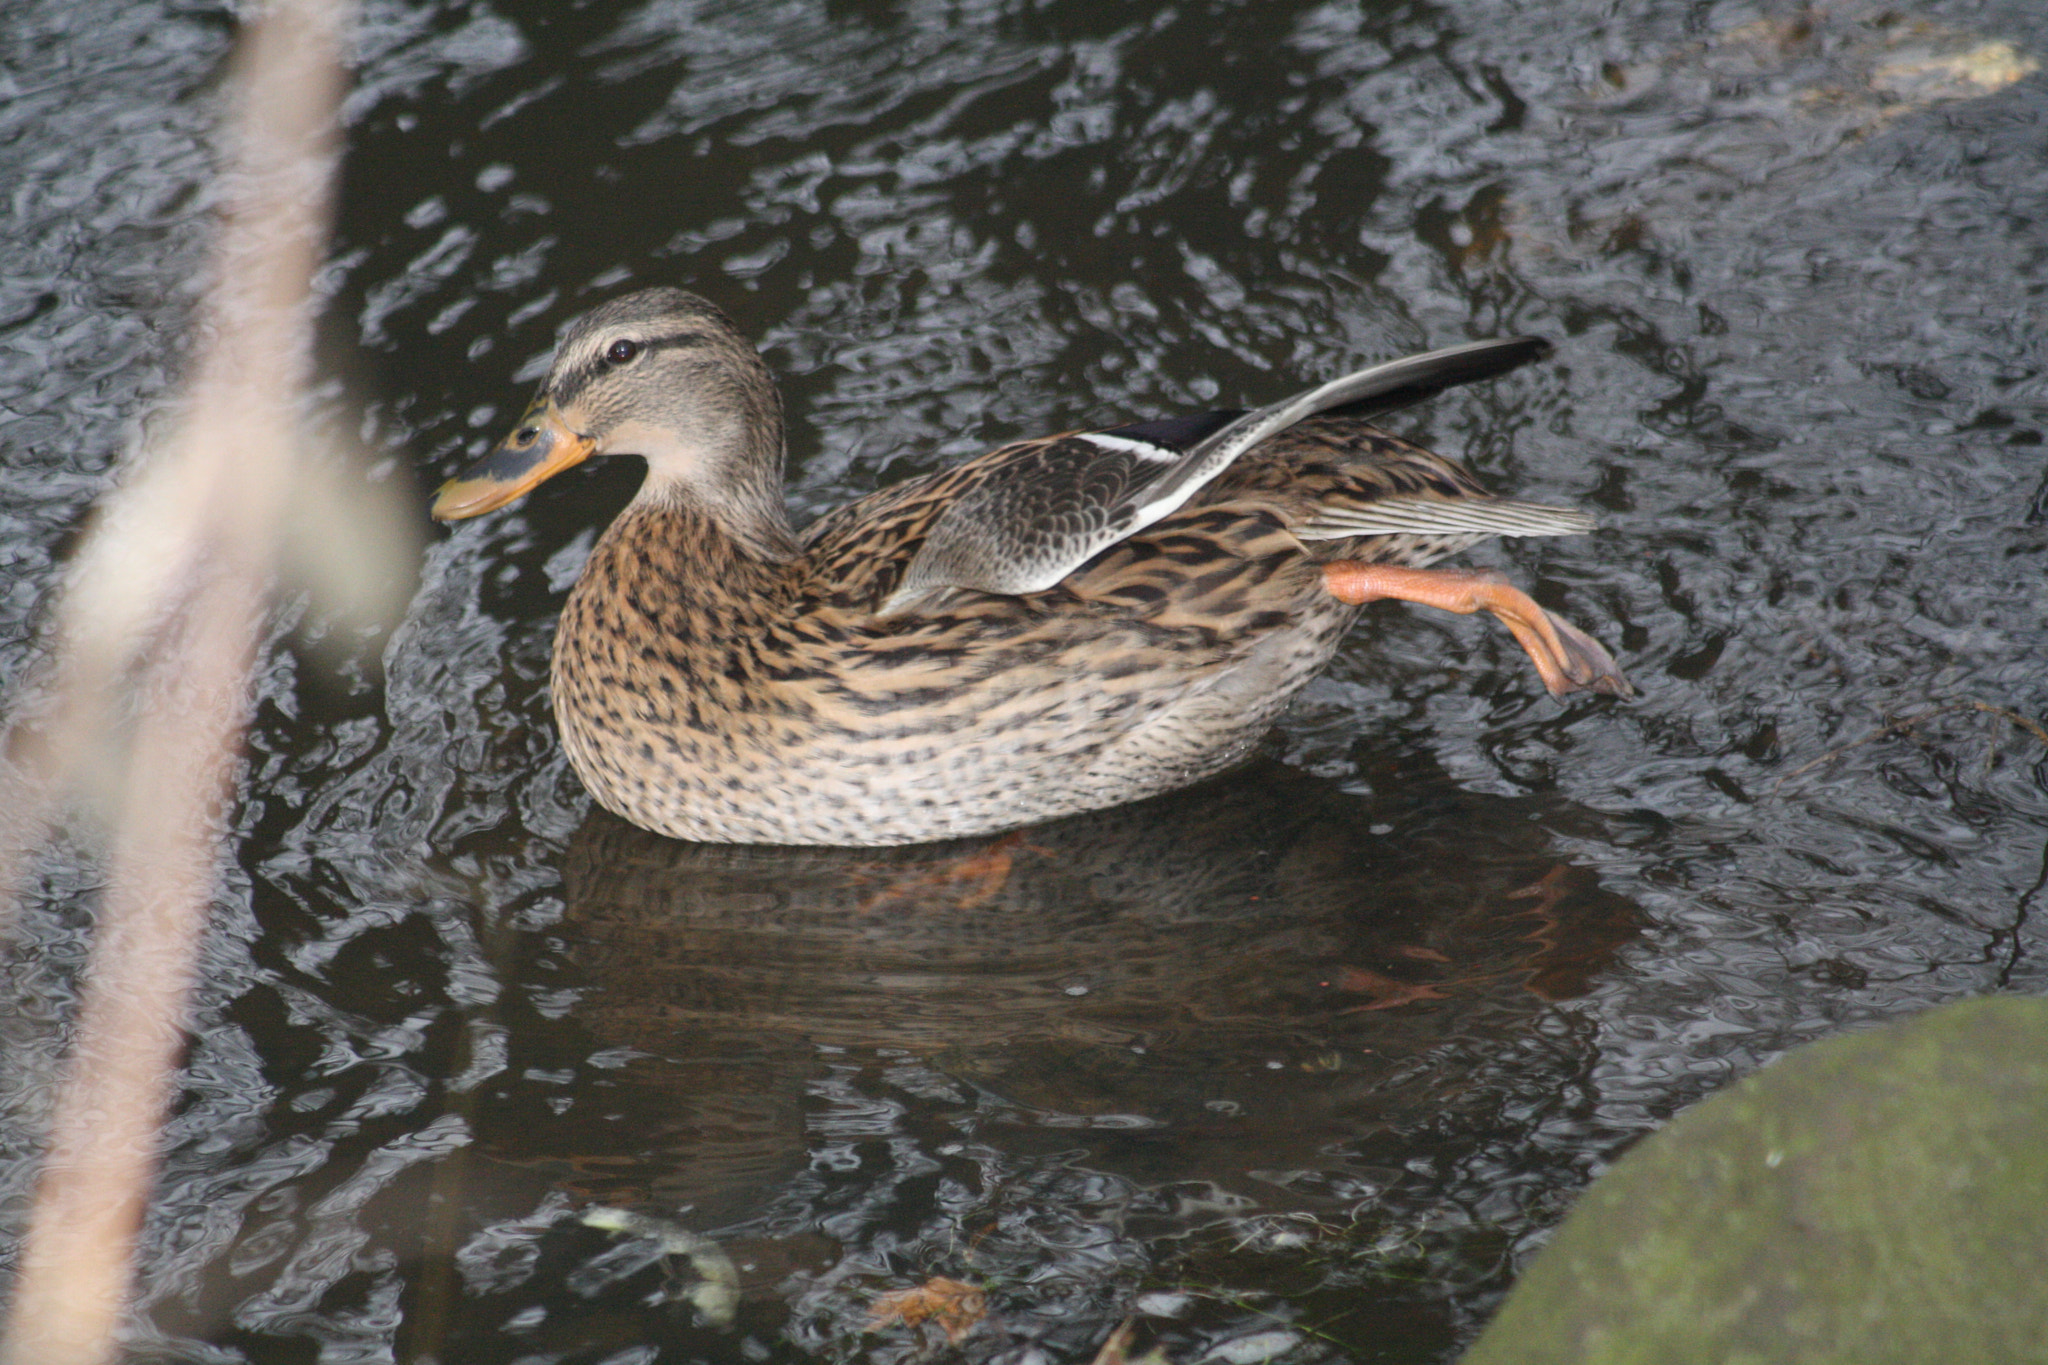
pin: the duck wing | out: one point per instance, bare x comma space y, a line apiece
1036, 511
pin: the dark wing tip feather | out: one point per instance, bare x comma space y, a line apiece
1177, 433
1465, 365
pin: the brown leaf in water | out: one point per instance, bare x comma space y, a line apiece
954, 1306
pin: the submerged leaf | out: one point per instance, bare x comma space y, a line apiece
954, 1306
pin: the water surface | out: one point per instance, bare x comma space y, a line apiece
1299, 1065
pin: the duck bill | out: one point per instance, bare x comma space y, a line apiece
541, 447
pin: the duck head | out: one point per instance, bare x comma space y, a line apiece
664, 375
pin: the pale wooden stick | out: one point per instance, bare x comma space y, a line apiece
165, 607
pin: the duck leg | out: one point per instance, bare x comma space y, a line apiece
1566, 658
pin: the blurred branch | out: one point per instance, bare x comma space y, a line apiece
155, 636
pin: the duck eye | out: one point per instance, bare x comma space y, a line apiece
621, 352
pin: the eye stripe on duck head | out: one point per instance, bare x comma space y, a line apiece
569, 385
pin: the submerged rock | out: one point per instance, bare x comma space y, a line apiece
1879, 1197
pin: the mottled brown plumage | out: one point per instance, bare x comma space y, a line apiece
718, 677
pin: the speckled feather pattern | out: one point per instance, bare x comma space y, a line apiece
709, 692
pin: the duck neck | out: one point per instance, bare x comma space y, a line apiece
745, 509
739, 538
723, 460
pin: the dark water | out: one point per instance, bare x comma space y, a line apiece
1300, 1065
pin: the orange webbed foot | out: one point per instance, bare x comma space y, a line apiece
1566, 658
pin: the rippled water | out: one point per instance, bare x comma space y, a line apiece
1302, 1064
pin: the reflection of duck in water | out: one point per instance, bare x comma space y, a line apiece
1056, 626
1236, 977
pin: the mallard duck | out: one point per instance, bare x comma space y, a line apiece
1056, 626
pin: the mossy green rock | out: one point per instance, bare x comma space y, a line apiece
1873, 1198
